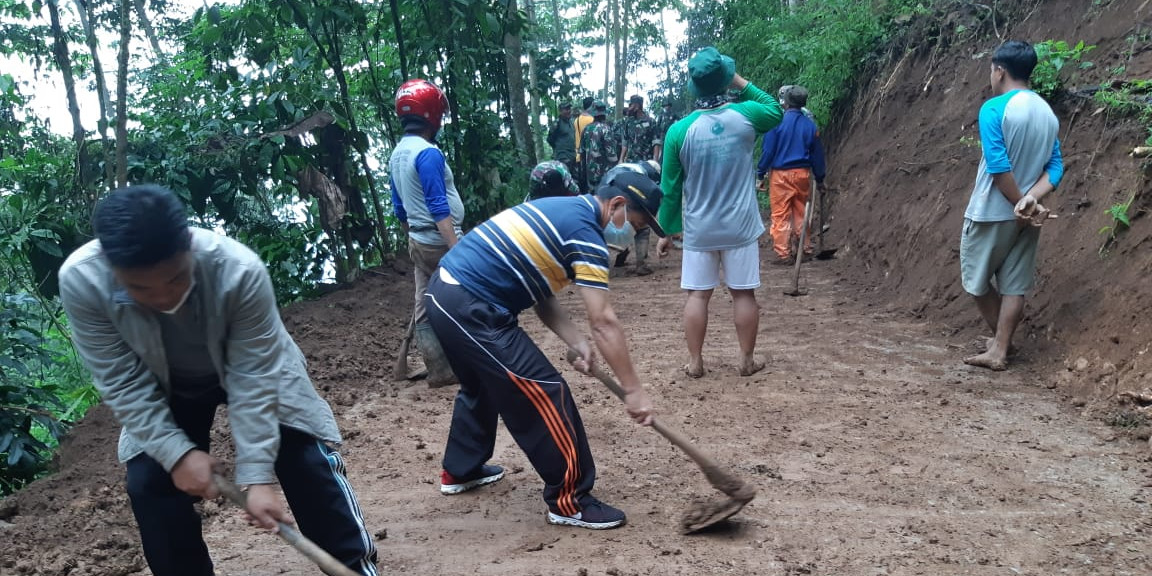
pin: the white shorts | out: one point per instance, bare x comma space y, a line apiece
701, 270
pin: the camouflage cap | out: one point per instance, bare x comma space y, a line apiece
551, 178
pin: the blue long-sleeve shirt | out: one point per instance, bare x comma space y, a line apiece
795, 143
423, 190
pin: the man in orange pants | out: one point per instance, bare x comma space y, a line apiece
794, 155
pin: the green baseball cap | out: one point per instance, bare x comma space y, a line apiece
710, 72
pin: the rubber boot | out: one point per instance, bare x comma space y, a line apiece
641, 240
439, 371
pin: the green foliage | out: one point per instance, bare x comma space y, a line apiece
40, 392
1120, 221
1052, 58
819, 45
1129, 98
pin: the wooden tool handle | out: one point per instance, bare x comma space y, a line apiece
308, 548
672, 435
800, 244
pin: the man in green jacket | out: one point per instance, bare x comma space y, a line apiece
709, 185
173, 322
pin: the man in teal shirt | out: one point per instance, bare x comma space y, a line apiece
709, 186
1019, 165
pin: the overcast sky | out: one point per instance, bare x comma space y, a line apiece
46, 92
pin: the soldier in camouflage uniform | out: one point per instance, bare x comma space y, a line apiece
637, 132
551, 178
599, 148
663, 122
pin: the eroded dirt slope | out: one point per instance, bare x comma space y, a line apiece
904, 157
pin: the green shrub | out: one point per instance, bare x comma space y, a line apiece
1052, 57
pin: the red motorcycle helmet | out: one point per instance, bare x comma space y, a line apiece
421, 98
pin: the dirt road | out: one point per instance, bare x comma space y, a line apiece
875, 451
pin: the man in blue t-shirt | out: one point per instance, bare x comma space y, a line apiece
1020, 164
522, 258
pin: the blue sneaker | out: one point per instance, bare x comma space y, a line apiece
595, 515
486, 475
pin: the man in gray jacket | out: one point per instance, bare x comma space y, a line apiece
172, 322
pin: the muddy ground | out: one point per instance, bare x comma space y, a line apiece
874, 449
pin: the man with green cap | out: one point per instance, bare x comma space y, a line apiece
598, 146
709, 185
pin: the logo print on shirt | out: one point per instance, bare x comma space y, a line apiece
717, 128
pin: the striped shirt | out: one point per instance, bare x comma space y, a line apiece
530, 252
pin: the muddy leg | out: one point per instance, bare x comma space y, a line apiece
695, 327
996, 357
747, 315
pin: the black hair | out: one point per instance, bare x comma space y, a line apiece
413, 123
140, 226
1017, 58
796, 96
588, 102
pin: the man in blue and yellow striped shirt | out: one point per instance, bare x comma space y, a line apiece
522, 258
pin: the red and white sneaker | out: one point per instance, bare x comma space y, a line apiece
486, 475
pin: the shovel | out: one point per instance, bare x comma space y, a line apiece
702, 514
400, 369
798, 253
821, 252
322, 559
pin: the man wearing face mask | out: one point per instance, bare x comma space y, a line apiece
522, 258
172, 322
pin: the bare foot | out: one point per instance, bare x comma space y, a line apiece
694, 370
751, 366
987, 360
987, 342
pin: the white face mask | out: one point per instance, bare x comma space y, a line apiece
183, 299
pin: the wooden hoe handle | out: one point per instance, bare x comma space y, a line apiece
308, 548
717, 477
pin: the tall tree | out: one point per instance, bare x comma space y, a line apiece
122, 93
513, 52
621, 42
533, 82
146, 25
86, 13
64, 62
400, 48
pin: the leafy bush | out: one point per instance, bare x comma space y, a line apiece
1052, 57
30, 422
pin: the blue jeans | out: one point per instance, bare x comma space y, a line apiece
311, 475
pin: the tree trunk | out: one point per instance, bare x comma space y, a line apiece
622, 58
533, 87
84, 9
513, 50
122, 94
399, 39
609, 42
329, 48
560, 43
667, 60
146, 25
64, 62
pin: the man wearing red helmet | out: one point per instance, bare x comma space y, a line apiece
425, 200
